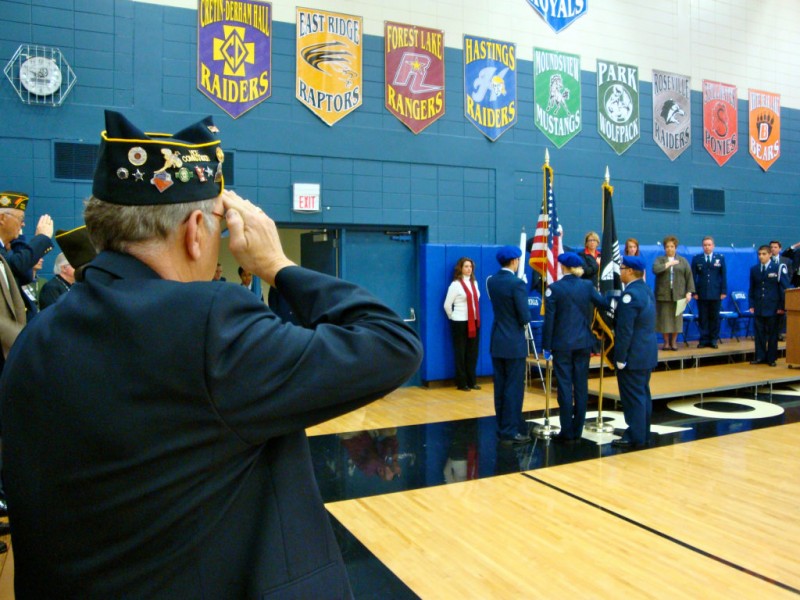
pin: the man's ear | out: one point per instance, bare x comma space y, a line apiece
194, 231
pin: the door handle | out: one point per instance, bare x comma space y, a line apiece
412, 316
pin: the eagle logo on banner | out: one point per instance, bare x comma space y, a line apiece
490, 85
672, 114
329, 63
557, 94
414, 71
618, 104
234, 54
765, 127
720, 120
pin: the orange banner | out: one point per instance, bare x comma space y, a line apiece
765, 127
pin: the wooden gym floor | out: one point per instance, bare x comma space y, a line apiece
709, 511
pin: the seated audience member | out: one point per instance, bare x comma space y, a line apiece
64, 277
251, 283
172, 461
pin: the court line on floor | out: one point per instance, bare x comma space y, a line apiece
666, 536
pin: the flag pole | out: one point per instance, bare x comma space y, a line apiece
546, 430
599, 426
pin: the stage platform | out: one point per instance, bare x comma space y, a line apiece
691, 355
705, 380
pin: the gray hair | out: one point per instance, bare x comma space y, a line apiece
115, 227
61, 261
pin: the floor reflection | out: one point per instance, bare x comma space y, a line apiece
367, 463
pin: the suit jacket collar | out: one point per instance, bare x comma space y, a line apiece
118, 266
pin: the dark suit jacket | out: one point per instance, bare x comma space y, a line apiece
153, 433
511, 315
635, 327
766, 289
12, 312
794, 268
52, 291
710, 281
568, 312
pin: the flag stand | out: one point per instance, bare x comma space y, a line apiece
599, 426
547, 430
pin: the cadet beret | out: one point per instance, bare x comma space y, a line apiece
570, 259
508, 253
76, 246
135, 168
16, 200
634, 262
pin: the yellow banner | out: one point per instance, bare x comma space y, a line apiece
329, 63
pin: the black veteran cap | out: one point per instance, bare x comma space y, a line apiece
76, 246
16, 200
135, 168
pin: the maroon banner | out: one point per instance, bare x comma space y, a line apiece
414, 69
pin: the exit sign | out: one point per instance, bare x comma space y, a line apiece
306, 198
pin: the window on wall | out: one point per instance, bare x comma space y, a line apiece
74, 161
708, 201
661, 197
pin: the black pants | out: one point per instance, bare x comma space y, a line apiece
708, 318
465, 350
767, 338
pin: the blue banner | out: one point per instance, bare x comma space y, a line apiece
559, 13
490, 85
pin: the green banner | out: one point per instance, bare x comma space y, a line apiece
618, 104
557, 94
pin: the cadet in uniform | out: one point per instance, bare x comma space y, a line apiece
711, 283
768, 281
508, 346
567, 335
636, 352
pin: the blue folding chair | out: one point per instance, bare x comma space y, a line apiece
731, 317
741, 302
534, 329
689, 317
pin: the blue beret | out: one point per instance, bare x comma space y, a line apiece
135, 168
634, 262
570, 259
508, 253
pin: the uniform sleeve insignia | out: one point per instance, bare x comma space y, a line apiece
548, 293
626, 299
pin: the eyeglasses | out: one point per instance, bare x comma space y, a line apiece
20, 220
223, 224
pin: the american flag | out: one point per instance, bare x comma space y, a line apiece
547, 239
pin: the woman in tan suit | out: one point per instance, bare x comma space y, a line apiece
674, 282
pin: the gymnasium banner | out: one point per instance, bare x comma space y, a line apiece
414, 71
329, 63
672, 113
559, 13
557, 94
490, 85
234, 53
618, 119
720, 120
765, 127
